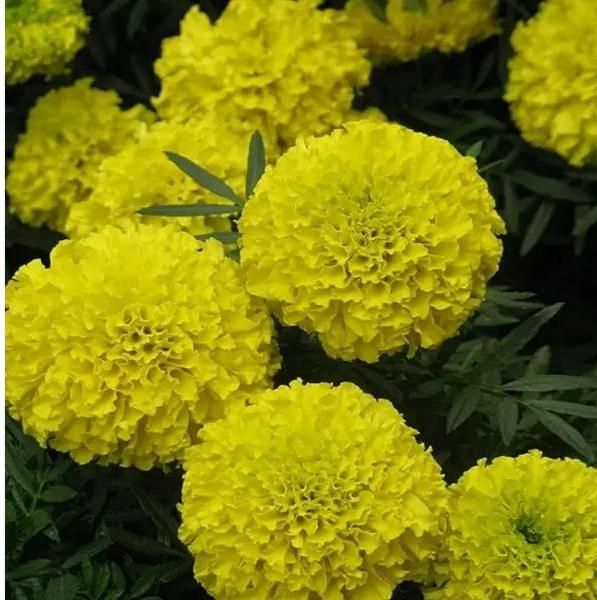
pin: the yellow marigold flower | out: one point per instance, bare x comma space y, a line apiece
281, 67
446, 25
375, 238
313, 491
57, 159
141, 175
42, 37
552, 86
129, 341
523, 528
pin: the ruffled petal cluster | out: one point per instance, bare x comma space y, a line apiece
129, 341
552, 85
56, 161
376, 238
523, 528
42, 37
281, 67
446, 25
312, 491
141, 175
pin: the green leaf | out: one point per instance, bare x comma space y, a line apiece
149, 578
187, 210
58, 493
565, 408
550, 383
511, 207
475, 149
86, 552
32, 568
551, 188
64, 587
226, 237
565, 432
539, 363
159, 514
140, 544
204, 178
507, 416
537, 226
17, 470
463, 407
415, 5
378, 9
135, 19
255, 163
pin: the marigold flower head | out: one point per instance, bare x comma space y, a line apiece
141, 175
129, 341
552, 85
375, 238
57, 159
313, 491
446, 25
523, 528
42, 37
281, 67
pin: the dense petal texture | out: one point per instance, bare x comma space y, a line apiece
70, 131
552, 86
282, 67
129, 341
374, 237
521, 528
42, 37
141, 175
446, 25
311, 492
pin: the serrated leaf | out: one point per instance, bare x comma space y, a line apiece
255, 163
58, 493
537, 226
378, 9
64, 587
565, 408
551, 188
507, 416
475, 149
187, 210
226, 237
550, 383
463, 407
565, 432
204, 178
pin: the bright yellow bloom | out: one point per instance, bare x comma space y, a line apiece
375, 238
129, 341
313, 491
552, 87
42, 37
141, 175
521, 528
447, 26
70, 131
282, 67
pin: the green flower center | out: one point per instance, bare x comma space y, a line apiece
529, 532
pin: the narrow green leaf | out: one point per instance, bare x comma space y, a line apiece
475, 149
187, 210
537, 226
255, 163
136, 16
140, 544
463, 407
565, 408
566, 433
18, 471
415, 5
86, 552
550, 383
204, 178
32, 568
159, 514
551, 188
539, 363
378, 9
584, 220
511, 207
226, 237
58, 493
65, 587
507, 415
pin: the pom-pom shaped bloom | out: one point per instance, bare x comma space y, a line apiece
523, 528
141, 175
281, 67
446, 25
552, 85
313, 491
374, 237
129, 341
42, 36
57, 159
